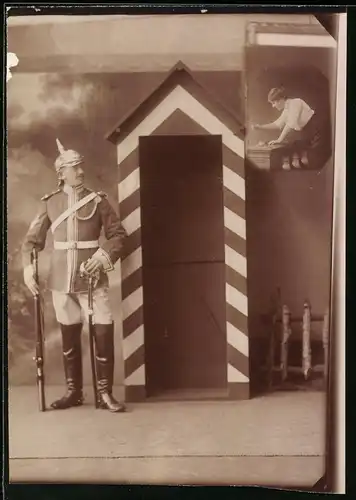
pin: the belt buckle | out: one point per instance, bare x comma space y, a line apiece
73, 245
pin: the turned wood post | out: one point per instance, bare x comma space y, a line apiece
286, 333
326, 342
306, 340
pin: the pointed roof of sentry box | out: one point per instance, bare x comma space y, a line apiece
179, 75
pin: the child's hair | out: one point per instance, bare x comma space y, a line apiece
276, 94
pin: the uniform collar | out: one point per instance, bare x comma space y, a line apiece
70, 190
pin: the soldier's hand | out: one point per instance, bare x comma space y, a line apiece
93, 265
29, 279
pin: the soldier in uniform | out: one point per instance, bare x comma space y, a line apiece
76, 215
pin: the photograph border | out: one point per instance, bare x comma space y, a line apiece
333, 472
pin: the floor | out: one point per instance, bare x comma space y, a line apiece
271, 440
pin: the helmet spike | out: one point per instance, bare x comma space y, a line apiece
60, 147
67, 158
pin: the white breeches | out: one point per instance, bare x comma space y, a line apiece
72, 308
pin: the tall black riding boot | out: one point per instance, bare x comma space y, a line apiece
105, 359
73, 367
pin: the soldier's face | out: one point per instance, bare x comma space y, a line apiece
73, 176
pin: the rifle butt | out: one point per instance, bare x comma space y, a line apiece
41, 395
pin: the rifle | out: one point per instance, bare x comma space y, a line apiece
39, 328
92, 339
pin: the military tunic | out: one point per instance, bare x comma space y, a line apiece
82, 228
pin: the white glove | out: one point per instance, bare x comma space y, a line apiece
94, 274
29, 279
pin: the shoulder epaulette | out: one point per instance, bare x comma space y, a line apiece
48, 196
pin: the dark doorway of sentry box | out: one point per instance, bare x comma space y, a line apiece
183, 265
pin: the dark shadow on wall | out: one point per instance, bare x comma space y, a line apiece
289, 246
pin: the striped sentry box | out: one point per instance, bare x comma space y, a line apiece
182, 96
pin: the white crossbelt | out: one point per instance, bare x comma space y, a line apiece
73, 245
71, 210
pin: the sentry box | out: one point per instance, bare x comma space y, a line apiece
184, 274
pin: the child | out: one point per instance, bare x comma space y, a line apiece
297, 124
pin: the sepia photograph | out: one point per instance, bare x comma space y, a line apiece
170, 185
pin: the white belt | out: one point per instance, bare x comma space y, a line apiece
73, 245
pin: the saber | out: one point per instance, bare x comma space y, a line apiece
91, 279
39, 328
91, 340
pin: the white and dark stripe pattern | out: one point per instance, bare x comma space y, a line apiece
235, 267
235, 239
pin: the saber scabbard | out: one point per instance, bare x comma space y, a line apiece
92, 340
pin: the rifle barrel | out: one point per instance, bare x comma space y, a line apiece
39, 358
